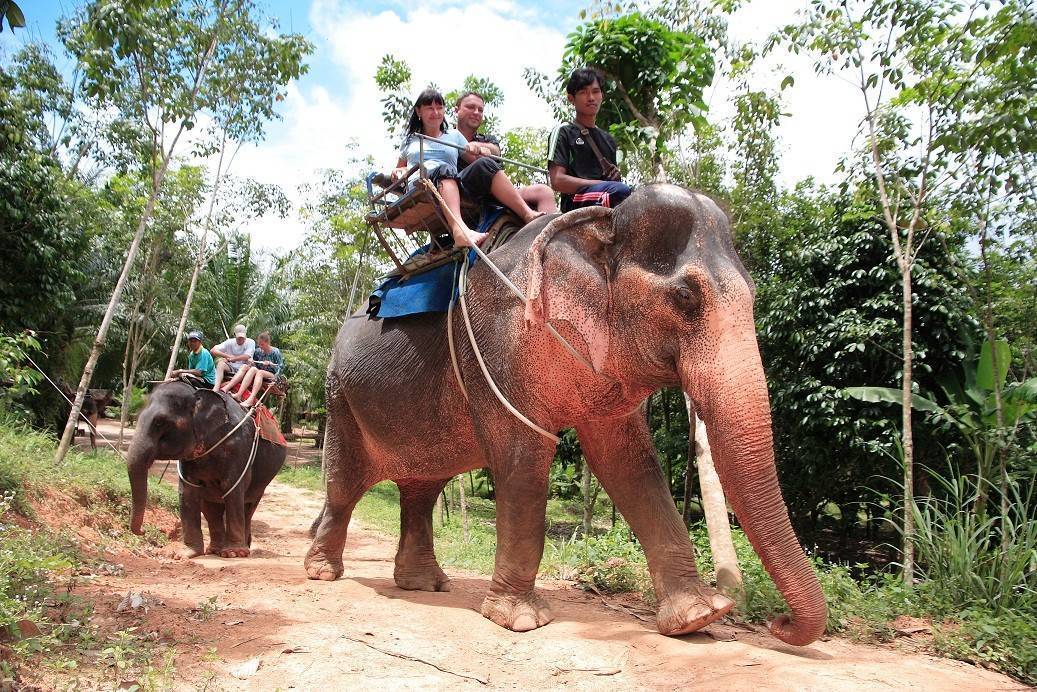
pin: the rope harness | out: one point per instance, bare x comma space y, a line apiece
248, 465
72, 404
462, 290
251, 455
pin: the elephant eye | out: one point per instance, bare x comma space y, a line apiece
686, 299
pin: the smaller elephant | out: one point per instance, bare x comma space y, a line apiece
181, 422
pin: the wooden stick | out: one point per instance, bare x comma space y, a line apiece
481, 681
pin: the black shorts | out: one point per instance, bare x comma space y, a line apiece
477, 177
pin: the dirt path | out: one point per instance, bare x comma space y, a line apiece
362, 631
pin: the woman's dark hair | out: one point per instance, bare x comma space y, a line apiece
425, 98
583, 77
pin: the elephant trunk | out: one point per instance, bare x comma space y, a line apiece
139, 460
731, 398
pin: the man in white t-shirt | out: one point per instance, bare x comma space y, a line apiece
233, 354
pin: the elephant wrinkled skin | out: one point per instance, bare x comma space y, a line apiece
653, 295
181, 422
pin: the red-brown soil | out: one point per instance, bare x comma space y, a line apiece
362, 631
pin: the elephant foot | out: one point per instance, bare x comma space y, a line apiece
240, 551
320, 566
421, 579
214, 549
519, 613
186, 553
691, 611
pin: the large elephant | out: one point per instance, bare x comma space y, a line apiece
181, 422
651, 294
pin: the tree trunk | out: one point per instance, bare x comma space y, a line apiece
714, 506
687, 471
588, 507
135, 341
131, 256
288, 414
908, 438
665, 402
322, 424
109, 314
464, 507
199, 261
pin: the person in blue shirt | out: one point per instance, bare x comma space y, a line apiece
266, 365
429, 118
199, 361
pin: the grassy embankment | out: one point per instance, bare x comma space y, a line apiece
57, 525
981, 611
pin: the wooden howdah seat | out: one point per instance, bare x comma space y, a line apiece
409, 205
414, 209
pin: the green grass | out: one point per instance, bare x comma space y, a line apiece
39, 567
27, 467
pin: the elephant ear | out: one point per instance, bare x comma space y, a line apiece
569, 276
210, 414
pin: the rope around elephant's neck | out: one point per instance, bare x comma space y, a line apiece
508, 282
241, 422
248, 465
450, 332
482, 365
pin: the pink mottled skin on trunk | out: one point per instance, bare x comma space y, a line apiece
652, 295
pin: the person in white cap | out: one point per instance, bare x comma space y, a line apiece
233, 354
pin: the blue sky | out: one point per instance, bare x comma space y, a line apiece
333, 112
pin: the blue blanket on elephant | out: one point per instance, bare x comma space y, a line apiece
432, 291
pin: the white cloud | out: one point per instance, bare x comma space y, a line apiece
824, 110
313, 135
441, 43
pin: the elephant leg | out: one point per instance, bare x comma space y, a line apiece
250, 509
416, 566
191, 520
622, 456
348, 478
213, 512
236, 520
520, 461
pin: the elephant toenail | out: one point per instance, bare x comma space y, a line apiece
524, 623
720, 602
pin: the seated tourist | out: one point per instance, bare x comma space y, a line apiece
267, 365
234, 354
199, 361
440, 160
482, 176
581, 157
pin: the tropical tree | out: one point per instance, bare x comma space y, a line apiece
166, 63
918, 60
